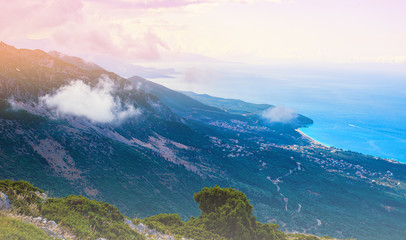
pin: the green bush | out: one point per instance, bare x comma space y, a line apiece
173, 224
88, 219
22, 196
268, 231
227, 212
196, 233
170, 220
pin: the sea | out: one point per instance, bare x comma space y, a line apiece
362, 111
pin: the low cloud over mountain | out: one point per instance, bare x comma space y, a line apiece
95, 103
279, 114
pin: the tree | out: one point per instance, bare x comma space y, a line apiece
228, 213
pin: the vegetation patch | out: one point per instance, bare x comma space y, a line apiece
22, 196
87, 219
226, 214
11, 228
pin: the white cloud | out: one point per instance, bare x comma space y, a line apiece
279, 114
14, 105
254, 1
129, 112
381, 59
95, 103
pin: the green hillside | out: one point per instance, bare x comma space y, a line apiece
226, 214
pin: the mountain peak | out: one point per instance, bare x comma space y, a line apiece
4, 45
78, 62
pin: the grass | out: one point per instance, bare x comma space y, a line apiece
87, 219
11, 228
22, 196
172, 224
223, 212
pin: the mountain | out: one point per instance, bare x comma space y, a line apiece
145, 149
78, 62
237, 106
70, 153
178, 102
231, 105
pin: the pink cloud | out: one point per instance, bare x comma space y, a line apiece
87, 40
21, 17
149, 4
148, 47
64, 25
155, 4
96, 40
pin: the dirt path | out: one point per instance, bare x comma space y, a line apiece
278, 180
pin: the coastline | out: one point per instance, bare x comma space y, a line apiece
311, 140
319, 144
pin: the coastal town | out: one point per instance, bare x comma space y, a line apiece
313, 151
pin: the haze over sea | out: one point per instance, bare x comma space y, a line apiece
352, 110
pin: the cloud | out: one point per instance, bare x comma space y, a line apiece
21, 18
159, 4
148, 48
279, 114
150, 4
198, 74
133, 30
95, 103
13, 103
252, 1
381, 59
89, 32
115, 42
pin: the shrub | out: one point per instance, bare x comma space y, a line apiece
88, 219
22, 196
227, 212
170, 220
173, 224
268, 231
305, 237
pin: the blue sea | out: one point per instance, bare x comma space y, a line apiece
353, 110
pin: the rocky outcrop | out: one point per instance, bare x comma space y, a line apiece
49, 227
150, 233
42, 196
4, 202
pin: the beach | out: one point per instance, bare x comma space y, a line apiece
311, 140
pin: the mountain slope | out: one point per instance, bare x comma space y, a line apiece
72, 154
178, 102
231, 105
151, 149
237, 106
26, 212
78, 62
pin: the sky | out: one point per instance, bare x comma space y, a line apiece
242, 31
